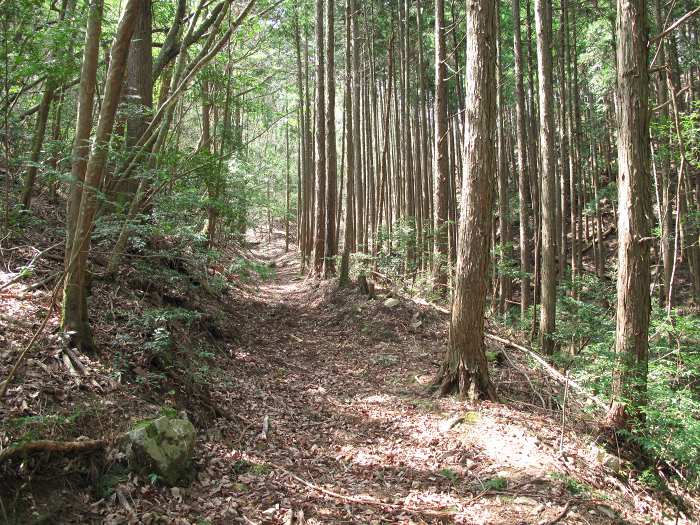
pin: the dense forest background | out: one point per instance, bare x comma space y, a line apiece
530, 168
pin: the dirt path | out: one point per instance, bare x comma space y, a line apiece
338, 382
333, 424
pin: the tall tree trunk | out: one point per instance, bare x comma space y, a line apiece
634, 204
302, 158
564, 173
408, 174
543, 22
74, 294
665, 211
139, 90
350, 152
523, 176
505, 284
320, 159
465, 368
440, 159
287, 188
331, 153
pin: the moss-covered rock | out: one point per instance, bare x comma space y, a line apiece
163, 446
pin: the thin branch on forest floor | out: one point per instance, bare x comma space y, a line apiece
41, 283
561, 515
529, 381
551, 371
374, 502
29, 266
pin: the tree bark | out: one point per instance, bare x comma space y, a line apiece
543, 23
74, 296
523, 175
74, 318
331, 153
465, 368
440, 159
350, 153
634, 205
320, 138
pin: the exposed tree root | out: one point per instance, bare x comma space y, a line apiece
469, 384
55, 447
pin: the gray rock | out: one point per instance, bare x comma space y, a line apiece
163, 446
391, 302
609, 461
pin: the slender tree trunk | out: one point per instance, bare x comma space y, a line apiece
75, 319
350, 152
410, 205
331, 153
564, 173
440, 159
302, 159
320, 159
543, 22
83, 127
505, 284
286, 188
523, 176
359, 212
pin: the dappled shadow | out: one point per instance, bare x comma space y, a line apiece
340, 379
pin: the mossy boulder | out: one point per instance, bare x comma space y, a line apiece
162, 446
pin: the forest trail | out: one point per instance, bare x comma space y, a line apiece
340, 428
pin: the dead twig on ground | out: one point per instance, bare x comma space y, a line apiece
551, 371
374, 502
561, 515
29, 266
23, 354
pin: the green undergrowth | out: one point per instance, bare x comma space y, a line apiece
585, 334
52, 425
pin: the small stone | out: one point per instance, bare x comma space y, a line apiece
606, 511
524, 500
391, 302
609, 461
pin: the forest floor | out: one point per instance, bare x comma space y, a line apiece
324, 416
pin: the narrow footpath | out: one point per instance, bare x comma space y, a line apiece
341, 429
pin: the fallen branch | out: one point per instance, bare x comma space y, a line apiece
57, 447
29, 266
76, 360
374, 502
561, 515
553, 372
527, 377
41, 283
